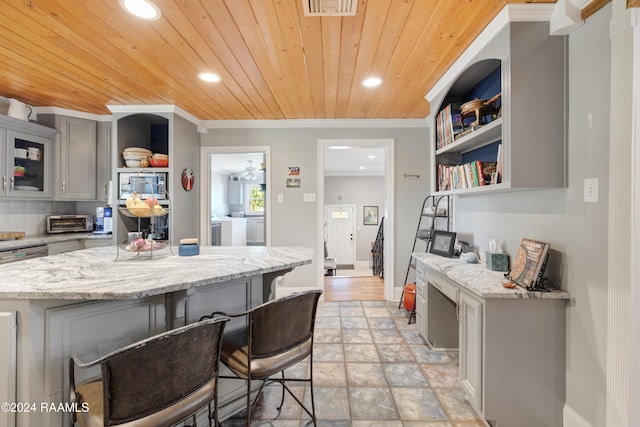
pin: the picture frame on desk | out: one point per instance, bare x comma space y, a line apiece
442, 243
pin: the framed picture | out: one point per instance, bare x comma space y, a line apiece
370, 215
442, 243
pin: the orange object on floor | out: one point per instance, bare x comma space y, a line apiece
409, 296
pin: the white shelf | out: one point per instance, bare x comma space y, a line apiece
479, 138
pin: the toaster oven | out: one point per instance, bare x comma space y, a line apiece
69, 223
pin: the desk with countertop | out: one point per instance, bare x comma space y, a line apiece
511, 342
83, 302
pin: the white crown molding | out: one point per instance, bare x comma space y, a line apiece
529, 12
205, 125
510, 13
159, 108
566, 18
315, 123
581, 4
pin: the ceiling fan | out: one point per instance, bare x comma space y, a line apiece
250, 172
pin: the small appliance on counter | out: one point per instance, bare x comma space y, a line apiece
104, 220
69, 223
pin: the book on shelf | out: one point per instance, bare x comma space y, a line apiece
498, 174
467, 175
488, 172
448, 125
529, 263
479, 175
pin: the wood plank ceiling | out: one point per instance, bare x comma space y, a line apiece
274, 62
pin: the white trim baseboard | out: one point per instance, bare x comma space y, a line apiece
283, 291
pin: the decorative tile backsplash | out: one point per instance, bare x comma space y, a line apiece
29, 216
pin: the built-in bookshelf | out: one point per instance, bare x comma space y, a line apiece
500, 123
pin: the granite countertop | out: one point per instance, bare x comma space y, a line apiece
44, 239
92, 274
481, 281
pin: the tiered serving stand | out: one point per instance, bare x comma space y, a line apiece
143, 247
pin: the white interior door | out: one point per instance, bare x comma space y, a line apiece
340, 233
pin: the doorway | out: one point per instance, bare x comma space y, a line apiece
327, 161
235, 193
340, 234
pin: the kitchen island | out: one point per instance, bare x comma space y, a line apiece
86, 303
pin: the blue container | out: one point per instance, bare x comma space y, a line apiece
188, 247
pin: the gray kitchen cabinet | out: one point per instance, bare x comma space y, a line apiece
511, 343
255, 231
76, 151
56, 248
235, 192
96, 243
76, 159
27, 151
104, 162
470, 355
421, 299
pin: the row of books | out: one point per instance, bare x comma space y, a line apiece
469, 175
448, 125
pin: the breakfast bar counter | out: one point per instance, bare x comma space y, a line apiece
86, 303
92, 274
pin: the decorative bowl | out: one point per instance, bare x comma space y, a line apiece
133, 163
159, 163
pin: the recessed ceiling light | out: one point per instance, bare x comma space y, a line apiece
339, 147
371, 156
141, 8
209, 77
362, 168
372, 82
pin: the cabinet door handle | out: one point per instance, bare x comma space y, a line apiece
4, 183
12, 183
104, 190
64, 187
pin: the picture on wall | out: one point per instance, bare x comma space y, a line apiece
370, 215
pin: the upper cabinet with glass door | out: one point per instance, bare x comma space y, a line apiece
28, 169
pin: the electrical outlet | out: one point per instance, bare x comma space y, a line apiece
280, 198
591, 190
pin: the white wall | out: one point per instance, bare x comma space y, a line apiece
576, 230
360, 191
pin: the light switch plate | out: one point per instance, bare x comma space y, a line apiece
591, 190
280, 198
309, 197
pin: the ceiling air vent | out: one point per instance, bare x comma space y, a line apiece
330, 7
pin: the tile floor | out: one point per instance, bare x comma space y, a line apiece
372, 369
